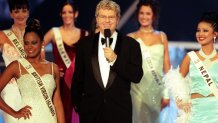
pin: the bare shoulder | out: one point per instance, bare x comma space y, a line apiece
49, 36
160, 33
46, 62
50, 31
134, 37
161, 36
186, 58
56, 73
56, 68
13, 64
132, 34
1, 33
3, 38
13, 67
184, 66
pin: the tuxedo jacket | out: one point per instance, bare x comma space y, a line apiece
111, 104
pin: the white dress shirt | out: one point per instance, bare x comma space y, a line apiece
104, 65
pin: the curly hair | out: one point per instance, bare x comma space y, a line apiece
33, 25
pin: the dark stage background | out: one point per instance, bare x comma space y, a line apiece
178, 18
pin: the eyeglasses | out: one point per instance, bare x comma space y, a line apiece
104, 17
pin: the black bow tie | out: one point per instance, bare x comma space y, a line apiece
103, 41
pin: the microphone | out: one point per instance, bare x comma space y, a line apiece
107, 34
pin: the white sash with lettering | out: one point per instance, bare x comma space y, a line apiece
11, 36
40, 84
61, 48
149, 63
204, 73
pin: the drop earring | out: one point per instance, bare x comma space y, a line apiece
214, 39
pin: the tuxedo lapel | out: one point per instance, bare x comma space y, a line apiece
118, 44
95, 62
112, 74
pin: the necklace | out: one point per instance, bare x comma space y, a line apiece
208, 56
146, 31
18, 33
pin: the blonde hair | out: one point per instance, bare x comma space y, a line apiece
109, 5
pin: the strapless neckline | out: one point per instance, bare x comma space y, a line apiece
153, 45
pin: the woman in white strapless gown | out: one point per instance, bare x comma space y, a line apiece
10, 93
148, 94
34, 101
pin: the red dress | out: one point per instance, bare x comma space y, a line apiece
67, 79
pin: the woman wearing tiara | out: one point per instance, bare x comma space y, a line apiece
196, 97
19, 12
147, 96
37, 80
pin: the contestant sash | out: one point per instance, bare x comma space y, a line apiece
61, 48
11, 36
40, 84
150, 65
204, 73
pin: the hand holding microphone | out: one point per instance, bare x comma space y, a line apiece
107, 35
108, 52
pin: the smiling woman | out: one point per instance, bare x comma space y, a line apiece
148, 96
200, 90
33, 38
64, 41
11, 44
36, 78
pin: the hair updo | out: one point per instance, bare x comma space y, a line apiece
212, 18
33, 25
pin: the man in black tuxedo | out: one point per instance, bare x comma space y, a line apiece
103, 73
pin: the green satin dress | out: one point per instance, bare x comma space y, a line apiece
146, 95
203, 110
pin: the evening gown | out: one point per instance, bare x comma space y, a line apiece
10, 94
146, 95
70, 114
32, 97
203, 110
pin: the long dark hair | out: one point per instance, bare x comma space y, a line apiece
72, 4
155, 7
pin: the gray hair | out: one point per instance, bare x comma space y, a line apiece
108, 5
